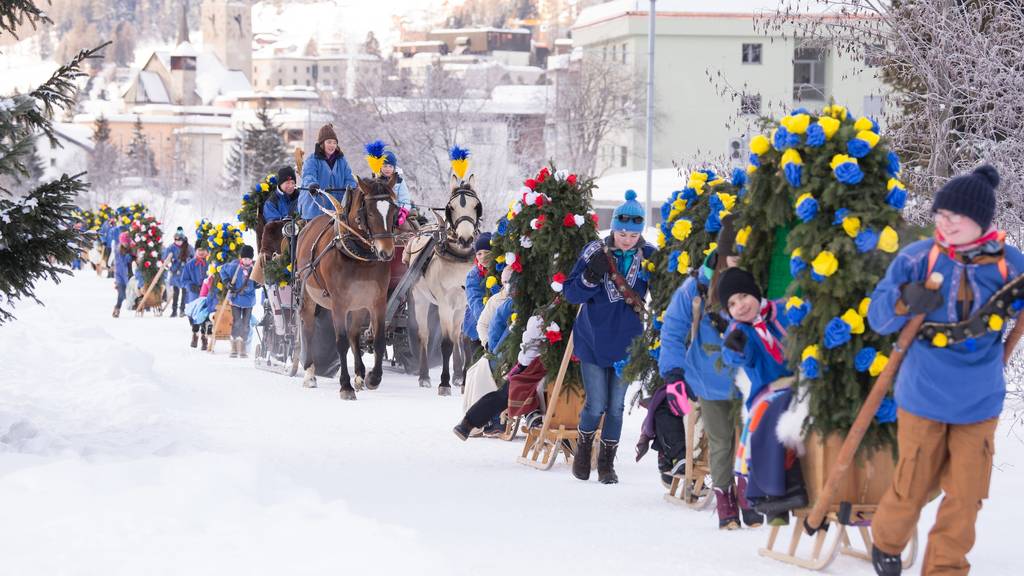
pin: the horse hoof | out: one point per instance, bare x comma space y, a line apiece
458, 384
444, 390
424, 383
373, 381
309, 383
347, 394
359, 383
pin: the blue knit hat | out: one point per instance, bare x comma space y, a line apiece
483, 242
389, 159
630, 211
972, 195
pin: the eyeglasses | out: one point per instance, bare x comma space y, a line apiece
634, 219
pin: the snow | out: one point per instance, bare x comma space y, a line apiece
122, 451
153, 89
615, 8
610, 189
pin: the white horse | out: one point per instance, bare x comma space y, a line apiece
444, 278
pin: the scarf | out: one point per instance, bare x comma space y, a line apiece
988, 244
760, 325
624, 259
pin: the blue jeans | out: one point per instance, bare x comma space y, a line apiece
121, 294
606, 395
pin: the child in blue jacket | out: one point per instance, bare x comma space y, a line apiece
241, 294
754, 341
950, 386
604, 329
122, 271
180, 253
695, 358
192, 277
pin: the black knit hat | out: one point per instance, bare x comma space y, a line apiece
247, 251
285, 174
736, 281
483, 242
972, 195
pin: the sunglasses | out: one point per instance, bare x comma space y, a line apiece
634, 219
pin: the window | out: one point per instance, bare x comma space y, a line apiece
736, 149
615, 50
752, 53
295, 68
750, 104
307, 70
622, 158
809, 73
604, 53
624, 45
53, 161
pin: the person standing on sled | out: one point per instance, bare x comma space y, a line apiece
691, 355
326, 168
180, 253
284, 203
476, 290
608, 284
242, 297
950, 389
123, 261
192, 277
755, 342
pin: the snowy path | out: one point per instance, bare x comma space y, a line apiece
122, 451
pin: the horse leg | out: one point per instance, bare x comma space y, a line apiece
422, 310
445, 388
341, 340
379, 346
459, 359
307, 317
356, 322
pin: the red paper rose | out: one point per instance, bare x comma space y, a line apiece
568, 221
530, 183
559, 277
517, 266
594, 218
571, 179
543, 174
540, 200
553, 336
146, 264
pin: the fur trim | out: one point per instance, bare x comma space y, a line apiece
789, 430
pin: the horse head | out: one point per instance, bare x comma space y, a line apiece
463, 212
372, 207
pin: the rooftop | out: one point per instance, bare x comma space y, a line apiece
693, 8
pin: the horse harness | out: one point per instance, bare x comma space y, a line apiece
439, 236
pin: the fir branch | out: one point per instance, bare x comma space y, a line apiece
13, 13
59, 91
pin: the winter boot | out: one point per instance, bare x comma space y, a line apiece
581, 460
195, 339
234, 348
728, 515
795, 496
886, 564
462, 429
174, 313
206, 343
117, 312
606, 463
750, 516
242, 351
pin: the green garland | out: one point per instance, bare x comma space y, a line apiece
252, 202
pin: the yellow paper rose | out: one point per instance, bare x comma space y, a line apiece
851, 224
855, 320
681, 229
759, 144
888, 240
825, 264
878, 364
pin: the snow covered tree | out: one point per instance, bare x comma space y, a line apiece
260, 151
37, 235
140, 161
542, 236
104, 164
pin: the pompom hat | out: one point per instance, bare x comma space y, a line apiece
629, 211
972, 195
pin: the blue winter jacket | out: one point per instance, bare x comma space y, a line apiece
500, 326
316, 170
243, 290
962, 383
706, 373
759, 365
177, 266
123, 267
475, 291
402, 196
280, 206
606, 325
192, 277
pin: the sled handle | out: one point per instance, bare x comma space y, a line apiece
816, 518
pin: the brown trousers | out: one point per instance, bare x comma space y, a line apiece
954, 457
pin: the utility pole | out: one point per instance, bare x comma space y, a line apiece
650, 109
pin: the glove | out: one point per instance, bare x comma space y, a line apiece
597, 267
196, 288
736, 340
920, 300
403, 214
678, 398
314, 188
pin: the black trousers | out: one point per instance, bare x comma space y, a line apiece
178, 293
487, 407
471, 350
671, 440
240, 322
205, 328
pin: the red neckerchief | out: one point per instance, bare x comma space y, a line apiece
993, 235
760, 324
481, 270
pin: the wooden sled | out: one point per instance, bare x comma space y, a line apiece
856, 503
221, 324
558, 433
694, 488
154, 300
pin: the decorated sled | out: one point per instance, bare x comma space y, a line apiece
221, 324
694, 488
154, 300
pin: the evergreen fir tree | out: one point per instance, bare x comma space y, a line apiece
38, 239
264, 153
140, 160
104, 163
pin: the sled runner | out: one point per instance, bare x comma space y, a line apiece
694, 489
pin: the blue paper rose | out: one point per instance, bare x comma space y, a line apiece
893, 164
815, 136
807, 210
739, 177
840, 214
837, 333
796, 266
849, 173
755, 159
783, 139
866, 240
673, 261
794, 173
858, 148
886, 411
809, 367
796, 314
897, 197
864, 358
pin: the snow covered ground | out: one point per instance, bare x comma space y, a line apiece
122, 451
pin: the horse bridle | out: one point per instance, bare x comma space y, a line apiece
362, 220
462, 193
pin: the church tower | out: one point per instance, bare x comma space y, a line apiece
227, 32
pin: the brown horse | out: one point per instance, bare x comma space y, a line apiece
343, 261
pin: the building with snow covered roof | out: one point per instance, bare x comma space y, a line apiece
767, 74
349, 74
